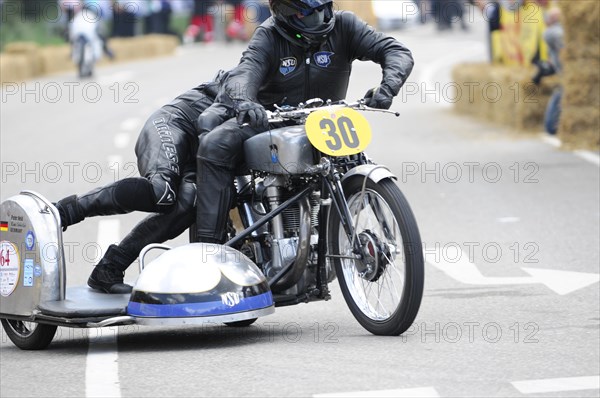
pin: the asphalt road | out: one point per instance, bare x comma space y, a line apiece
510, 226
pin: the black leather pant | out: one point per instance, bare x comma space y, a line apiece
220, 152
166, 162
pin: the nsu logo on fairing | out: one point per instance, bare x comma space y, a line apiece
230, 299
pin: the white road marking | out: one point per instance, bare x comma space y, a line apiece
589, 156
404, 392
102, 366
562, 282
558, 385
133, 123
551, 140
122, 140
456, 264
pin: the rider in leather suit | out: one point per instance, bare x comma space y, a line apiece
165, 152
305, 50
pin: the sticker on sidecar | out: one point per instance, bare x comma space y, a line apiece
10, 268
338, 133
28, 272
29, 240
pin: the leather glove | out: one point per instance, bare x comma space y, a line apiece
379, 97
253, 113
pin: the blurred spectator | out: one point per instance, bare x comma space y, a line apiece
68, 9
257, 10
554, 37
157, 17
449, 11
201, 25
124, 18
235, 28
491, 13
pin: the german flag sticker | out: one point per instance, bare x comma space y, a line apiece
3, 226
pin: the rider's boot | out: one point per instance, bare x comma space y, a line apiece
74, 209
70, 213
108, 274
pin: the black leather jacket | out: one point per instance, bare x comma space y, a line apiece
275, 71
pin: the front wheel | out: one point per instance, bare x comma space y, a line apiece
29, 335
383, 283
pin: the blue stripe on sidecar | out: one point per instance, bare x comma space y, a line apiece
211, 308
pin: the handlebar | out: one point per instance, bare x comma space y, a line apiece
301, 112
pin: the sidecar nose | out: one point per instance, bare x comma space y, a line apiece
200, 280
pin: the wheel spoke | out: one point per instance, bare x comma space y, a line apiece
371, 214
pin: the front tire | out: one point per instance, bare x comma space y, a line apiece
29, 335
384, 289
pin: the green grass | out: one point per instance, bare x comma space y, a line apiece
42, 33
45, 33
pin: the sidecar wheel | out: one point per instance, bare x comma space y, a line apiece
241, 324
384, 289
29, 335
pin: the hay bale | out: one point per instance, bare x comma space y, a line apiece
533, 101
579, 121
56, 59
30, 51
581, 78
505, 95
581, 20
164, 44
462, 75
580, 127
499, 93
577, 51
14, 68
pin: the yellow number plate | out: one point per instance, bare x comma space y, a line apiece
338, 132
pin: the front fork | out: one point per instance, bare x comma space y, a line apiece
332, 194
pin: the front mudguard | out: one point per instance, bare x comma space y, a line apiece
373, 172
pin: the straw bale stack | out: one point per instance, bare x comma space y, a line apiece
579, 123
28, 50
56, 59
14, 68
23, 61
503, 94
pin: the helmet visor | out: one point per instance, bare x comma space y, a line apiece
309, 11
287, 8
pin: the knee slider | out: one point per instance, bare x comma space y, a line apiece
164, 192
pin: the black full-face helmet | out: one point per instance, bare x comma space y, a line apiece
304, 22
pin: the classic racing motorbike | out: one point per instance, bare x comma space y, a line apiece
312, 207
86, 43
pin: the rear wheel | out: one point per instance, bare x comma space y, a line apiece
383, 287
29, 335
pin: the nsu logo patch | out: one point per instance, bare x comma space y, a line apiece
288, 65
323, 58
